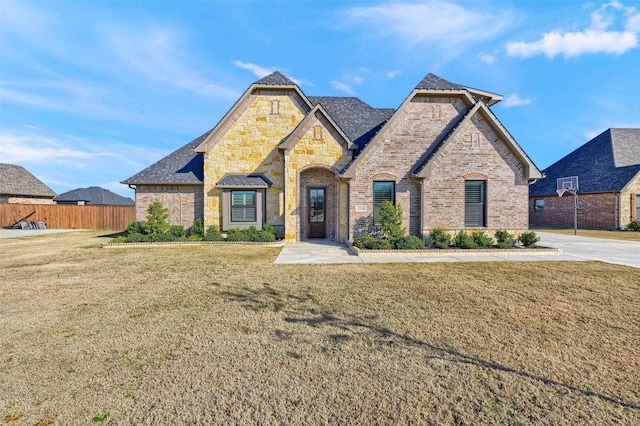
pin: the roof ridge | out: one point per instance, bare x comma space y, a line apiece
276, 78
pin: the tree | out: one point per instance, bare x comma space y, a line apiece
157, 219
391, 220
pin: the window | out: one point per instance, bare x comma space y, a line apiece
243, 206
382, 191
538, 204
474, 202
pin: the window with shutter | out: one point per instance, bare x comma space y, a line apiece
243, 206
474, 203
382, 191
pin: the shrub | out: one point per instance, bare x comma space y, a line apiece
440, 238
504, 238
197, 228
369, 242
391, 220
482, 239
177, 232
267, 227
135, 227
120, 239
634, 226
213, 234
137, 238
263, 236
464, 241
163, 237
157, 219
528, 239
407, 242
237, 235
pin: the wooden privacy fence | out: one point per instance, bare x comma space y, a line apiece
63, 216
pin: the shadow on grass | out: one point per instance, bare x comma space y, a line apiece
267, 297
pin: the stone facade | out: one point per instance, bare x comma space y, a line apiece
184, 202
250, 145
628, 201
10, 199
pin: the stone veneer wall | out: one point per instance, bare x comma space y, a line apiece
27, 200
314, 161
250, 145
476, 153
184, 202
403, 142
632, 189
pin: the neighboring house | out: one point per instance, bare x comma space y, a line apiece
608, 171
93, 195
17, 185
319, 167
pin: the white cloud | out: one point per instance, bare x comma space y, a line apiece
393, 73
342, 87
258, 70
485, 57
514, 100
437, 25
597, 38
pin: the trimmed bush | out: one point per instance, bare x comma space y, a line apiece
407, 242
391, 220
504, 238
482, 239
369, 242
135, 227
137, 238
161, 238
177, 232
634, 226
213, 234
197, 228
528, 239
464, 241
157, 219
440, 238
237, 235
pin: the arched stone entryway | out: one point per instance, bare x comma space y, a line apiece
318, 195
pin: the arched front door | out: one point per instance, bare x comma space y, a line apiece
318, 208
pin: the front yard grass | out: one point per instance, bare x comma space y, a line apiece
221, 335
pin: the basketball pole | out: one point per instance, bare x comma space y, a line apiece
573, 192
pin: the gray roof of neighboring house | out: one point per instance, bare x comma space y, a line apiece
237, 180
183, 166
275, 79
94, 195
356, 118
17, 181
606, 163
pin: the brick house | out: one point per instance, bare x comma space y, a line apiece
608, 171
319, 167
17, 185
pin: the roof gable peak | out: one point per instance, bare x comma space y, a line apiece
276, 78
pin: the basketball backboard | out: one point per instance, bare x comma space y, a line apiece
568, 182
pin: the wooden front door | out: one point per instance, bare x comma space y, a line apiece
317, 210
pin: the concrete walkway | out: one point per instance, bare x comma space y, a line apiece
574, 248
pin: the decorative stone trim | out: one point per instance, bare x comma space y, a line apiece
195, 243
454, 251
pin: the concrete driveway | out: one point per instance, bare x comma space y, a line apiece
610, 251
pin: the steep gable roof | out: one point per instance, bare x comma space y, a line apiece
607, 163
17, 181
275, 79
94, 195
317, 111
354, 117
432, 83
182, 167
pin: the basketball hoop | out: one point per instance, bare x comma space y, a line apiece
561, 191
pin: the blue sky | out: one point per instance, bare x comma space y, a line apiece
91, 92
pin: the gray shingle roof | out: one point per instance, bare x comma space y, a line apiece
433, 82
17, 181
94, 195
183, 166
237, 180
604, 164
356, 118
275, 79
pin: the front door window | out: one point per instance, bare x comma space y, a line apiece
317, 208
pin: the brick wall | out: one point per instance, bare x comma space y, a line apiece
596, 211
184, 202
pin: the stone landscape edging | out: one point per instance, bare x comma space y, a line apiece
193, 243
454, 251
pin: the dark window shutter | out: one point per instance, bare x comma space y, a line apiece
474, 205
382, 191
